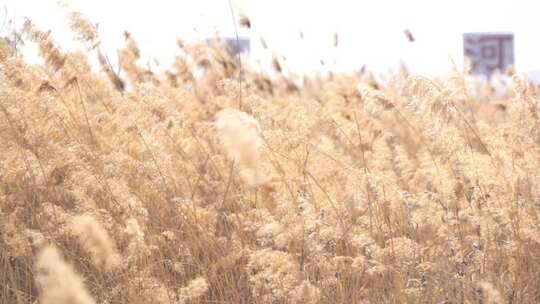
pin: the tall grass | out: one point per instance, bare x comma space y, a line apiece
138, 187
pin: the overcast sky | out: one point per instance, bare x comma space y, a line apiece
370, 32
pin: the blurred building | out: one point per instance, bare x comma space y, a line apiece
488, 52
242, 45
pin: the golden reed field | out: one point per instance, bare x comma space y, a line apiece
212, 183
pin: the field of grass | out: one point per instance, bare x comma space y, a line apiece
214, 184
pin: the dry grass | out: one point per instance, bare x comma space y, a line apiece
145, 188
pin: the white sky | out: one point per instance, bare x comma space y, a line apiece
370, 32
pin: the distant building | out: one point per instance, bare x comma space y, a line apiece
489, 52
242, 45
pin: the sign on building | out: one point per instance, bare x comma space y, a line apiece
488, 52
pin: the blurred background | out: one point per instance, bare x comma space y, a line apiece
378, 35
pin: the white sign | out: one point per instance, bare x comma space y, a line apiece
488, 52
